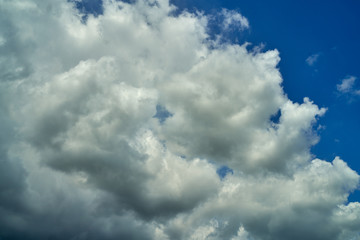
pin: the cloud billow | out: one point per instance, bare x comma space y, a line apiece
89, 154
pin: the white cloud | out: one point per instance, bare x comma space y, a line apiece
347, 88
86, 159
347, 85
234, 19
311, 60
280, 207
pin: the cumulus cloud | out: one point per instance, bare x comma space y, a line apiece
116, 127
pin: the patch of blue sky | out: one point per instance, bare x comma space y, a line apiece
86, 7
162, 113
223, 171
275, 119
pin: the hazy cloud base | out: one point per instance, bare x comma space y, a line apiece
83, 157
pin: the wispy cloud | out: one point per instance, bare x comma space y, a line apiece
347, 86
311, 60
233, 19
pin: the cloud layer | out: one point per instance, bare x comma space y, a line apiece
114, 128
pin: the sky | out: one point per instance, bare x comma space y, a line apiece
152, 119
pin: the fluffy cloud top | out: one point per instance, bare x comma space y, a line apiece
114, 128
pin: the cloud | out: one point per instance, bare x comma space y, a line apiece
347, 85
118, 127
267, 211
234, 19
311, 60
347, 88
